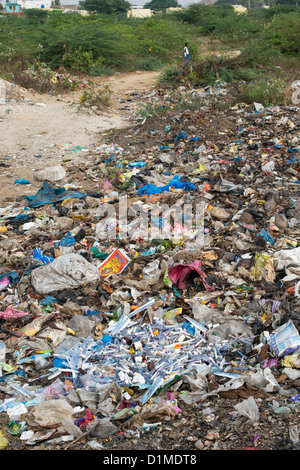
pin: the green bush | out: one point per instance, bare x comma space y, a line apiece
35, 16
171, 74
100, 69
100, 44
283, 34
148, 63
267, 92
80, 60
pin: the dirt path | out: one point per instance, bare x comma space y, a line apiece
38, 131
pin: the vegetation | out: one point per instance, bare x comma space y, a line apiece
106, 7
106, 41
161, 5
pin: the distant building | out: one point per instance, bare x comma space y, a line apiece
69, 7
83, 12
139, 13
240, 9
27, 4
13, 7
171, 9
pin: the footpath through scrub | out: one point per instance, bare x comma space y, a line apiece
150, 288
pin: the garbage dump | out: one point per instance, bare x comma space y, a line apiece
150, 293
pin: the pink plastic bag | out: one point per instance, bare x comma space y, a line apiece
4, 283
106, 184
11, 312
179, 274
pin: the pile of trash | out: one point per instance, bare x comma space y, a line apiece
160, 275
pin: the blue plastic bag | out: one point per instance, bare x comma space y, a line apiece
174, 183
48, 300
37, 254
12, 276
67, 241
48, 195
263, 233
180, 136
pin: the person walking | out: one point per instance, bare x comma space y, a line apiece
186, 53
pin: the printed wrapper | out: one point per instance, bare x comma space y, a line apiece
115, 263
285, 340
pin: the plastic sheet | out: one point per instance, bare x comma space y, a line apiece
49, 195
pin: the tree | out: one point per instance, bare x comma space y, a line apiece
35, 16
162, 4
106, 7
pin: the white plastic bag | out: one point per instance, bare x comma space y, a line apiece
52, 174
65, 272
249, 409
290, 261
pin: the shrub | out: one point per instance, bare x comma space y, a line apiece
171, 74
148, 63
79, 60
267, 92
35, 16
99, 69
283, 34
98, 98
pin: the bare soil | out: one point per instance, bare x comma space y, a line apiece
38, 131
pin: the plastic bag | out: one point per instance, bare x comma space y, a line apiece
157, 411
249, 409
284, 340
110, 397
37, 254
65, 272
294, 433
81, 325
53, 174
291, 360
47, 195
52, 412
150, 271
12, 312
4, 283
103, 428
174, 183
219, 213
69, 426
290, 261
179, 274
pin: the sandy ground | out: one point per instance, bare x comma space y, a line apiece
38, 131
